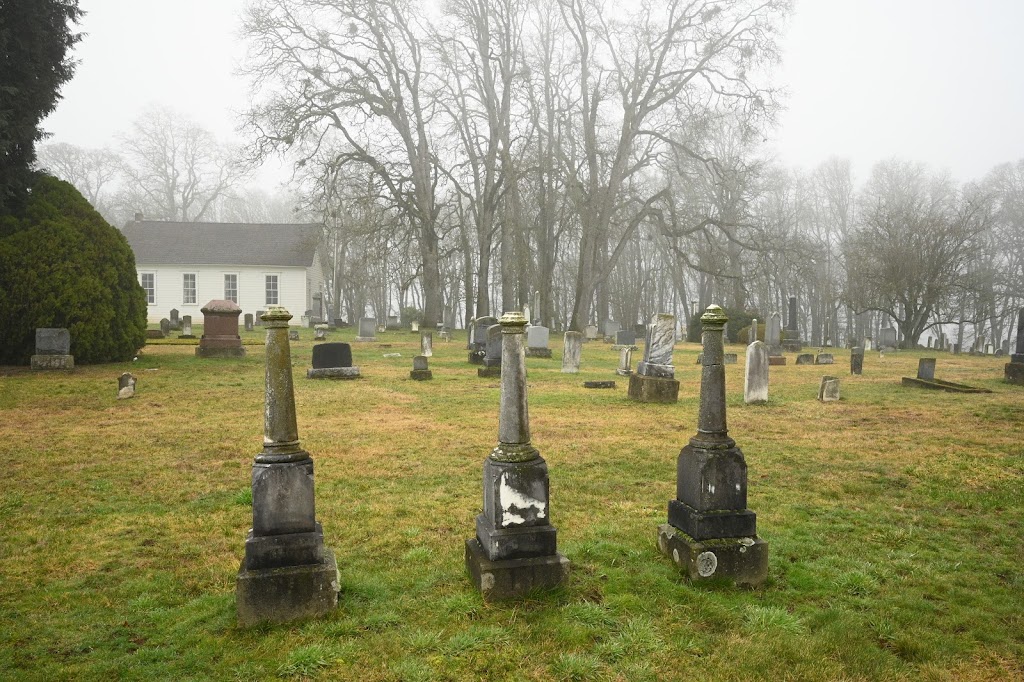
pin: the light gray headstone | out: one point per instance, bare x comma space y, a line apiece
368, 327
773, 334
53, 341
625, 360
537, 337
755, 382
753, 331
419, 363
572, 347
591, 332
828, 391
610, 327
427, 344
926, 369
126, 386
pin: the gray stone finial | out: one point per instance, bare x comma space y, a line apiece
280, 429
713, 318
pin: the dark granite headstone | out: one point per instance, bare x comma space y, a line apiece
857, 360
248, 322
625, 337
327, 355
165, 326
926, 369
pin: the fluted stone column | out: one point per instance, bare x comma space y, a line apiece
514, 551
710, 533
287, 573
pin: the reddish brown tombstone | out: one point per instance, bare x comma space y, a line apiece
220, 331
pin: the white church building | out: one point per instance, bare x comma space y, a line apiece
186, 265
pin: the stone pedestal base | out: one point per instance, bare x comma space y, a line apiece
653, 389
59, 362
791, 342
280, 595
366, 338
1014, 373
421, 374
489, 372
207, 352
740, 561
538, 352
333, 373
513, 578
776, 360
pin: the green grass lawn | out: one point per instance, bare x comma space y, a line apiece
895, 520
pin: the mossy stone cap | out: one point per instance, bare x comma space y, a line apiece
276, 313
513, 319
714, 317
219, 305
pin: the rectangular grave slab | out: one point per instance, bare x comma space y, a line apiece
824, 359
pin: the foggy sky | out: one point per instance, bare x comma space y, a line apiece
936, 81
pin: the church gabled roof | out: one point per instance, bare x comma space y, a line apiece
157, 242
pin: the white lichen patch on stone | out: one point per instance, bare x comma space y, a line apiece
510, 497
707, 564
487, 581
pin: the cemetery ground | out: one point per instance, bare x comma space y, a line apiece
895, 519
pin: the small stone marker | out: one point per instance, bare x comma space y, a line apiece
824, 359
427, 344
492, 355
1013, 371
478, 339
220, 331
287, 573
755, 382
186, 328
572, 348
293, 335
805, 359
729, 358
611, 327
259, 318
867, 345
165, 326
591, 332
710, 533
391, 355
414, 327
367, 329
926, 369
537, 338
332, 361
654, 380
248, 322
856, 360
598, 384
625, 361
126, 386
514, 552
53, 349
420, 370
625, 337
887, 339
175, 323
828, 390
320, 332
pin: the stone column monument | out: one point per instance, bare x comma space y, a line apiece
287, 572
791, 342
1014, 369
710, 533
514, 551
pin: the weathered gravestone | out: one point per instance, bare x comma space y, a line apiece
654, 380
367, 329
420, 369
856, 360
755, 381
773, 339
867, 344
515, 551
293, 335
791, 336
165, 327
478, 344
287, 573
259, 317
611, 327
729, 358
572, 348
332, 361
427, 344
53, 349
926, 369
492, 354
887, 338
154, 334
175, 322
320, 332
805, 359
220, 331
710, 533
126, 386
599, 384
248, 322
824, 359
590, 332
537, 339
186, 328
828, 389
1013, 372
625, 361
752, 336
414, 327
926, 379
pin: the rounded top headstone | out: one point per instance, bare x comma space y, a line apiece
218, 305
276, 313
514, 320
714, 317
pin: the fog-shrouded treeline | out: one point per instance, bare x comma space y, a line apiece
472, 156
